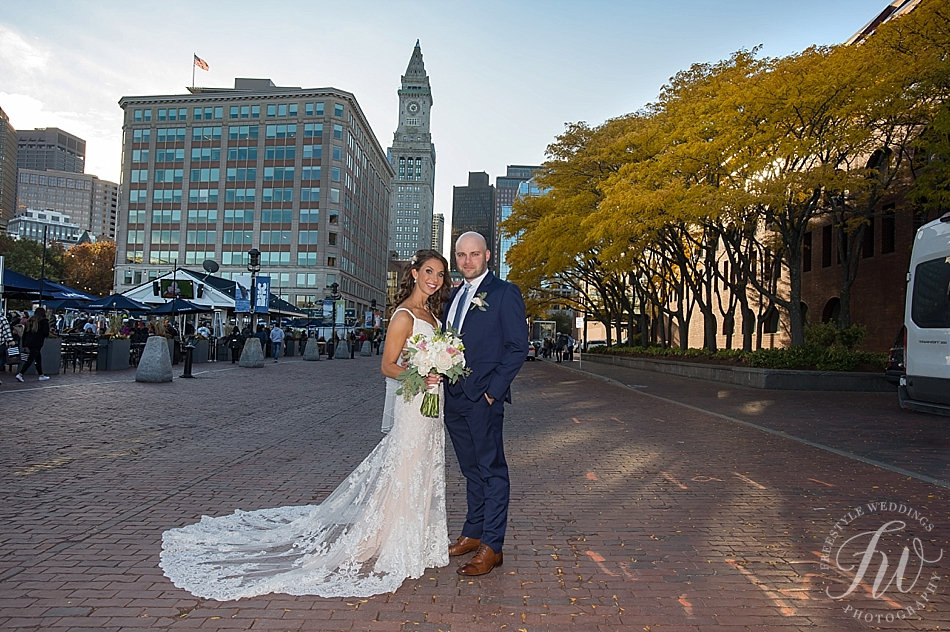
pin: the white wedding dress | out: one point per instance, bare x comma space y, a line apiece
385, 523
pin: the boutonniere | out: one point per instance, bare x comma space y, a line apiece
479, 301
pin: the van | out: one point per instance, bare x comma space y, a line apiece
925, 385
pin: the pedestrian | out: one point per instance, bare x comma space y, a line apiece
34, 335
489, 314
352, 343
235, 342
276, 341
559, 346
570, 348
6, 337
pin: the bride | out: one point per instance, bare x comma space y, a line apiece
385, 523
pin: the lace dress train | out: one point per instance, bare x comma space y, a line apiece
385, 523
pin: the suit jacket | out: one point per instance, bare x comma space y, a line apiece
496, 340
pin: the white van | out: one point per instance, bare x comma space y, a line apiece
925, 385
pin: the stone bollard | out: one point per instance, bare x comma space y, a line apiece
312, 350
155, 365
367, 348
253, 355
342, 351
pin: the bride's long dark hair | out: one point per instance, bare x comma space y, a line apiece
406, 282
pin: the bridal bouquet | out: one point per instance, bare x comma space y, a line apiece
441, 353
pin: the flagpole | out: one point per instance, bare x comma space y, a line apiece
193, 72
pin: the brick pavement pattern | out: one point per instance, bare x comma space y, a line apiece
628, 512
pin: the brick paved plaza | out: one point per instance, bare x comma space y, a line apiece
639, 502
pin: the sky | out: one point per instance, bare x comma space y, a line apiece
506, 76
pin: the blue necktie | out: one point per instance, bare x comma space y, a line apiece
460, 307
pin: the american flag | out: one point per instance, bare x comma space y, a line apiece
201, 63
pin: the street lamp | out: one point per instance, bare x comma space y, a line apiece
334, 296
254, 266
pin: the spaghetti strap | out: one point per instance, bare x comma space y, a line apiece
408, 311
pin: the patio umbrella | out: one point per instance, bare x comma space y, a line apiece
59, 292
179, 306
117, 303
16, 285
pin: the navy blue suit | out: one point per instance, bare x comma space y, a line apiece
496, 344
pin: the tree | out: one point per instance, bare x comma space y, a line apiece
90, 267
27, 257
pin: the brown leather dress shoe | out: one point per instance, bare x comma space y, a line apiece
463, 545
484, 561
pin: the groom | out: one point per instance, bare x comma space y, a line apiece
490, 315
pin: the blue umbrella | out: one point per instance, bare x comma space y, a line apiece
117, 303
180, 306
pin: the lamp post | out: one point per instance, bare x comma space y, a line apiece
334, 296
254, 266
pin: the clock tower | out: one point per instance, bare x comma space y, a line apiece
412, 157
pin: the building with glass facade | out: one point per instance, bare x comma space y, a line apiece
296, 173
412, 157
507, 188
46, 224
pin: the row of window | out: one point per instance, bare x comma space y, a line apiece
210, 216
216, 113
245, 195
227, 258
172, 237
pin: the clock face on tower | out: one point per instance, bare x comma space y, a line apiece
413, 107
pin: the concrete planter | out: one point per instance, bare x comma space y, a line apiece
52, 355
200, 353
776, 379
113, 354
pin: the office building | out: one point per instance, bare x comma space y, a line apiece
50, 148
438, 231
507, 188
45, 224
473, 209
412, 157
8, 159
88, 202
296, 173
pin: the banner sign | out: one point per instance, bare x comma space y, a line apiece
242, 293
262, 295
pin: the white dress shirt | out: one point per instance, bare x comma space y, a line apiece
474, 283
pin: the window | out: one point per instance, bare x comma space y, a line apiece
281, 131
277, 215
931, 295
245, 215
242, 153
806, 252
331, 239
207, 154
202, 196
335, 174
280, 152
310, 173
206, 133
331, 262
141, 135
826, 242
337, 131
242, 132
139, 155
309, 215
278, 173
241, 174
200, 237
306, 258
237, 237
311, 194
314, 109
205, 175
313, 130
307, 237
338, 109
202, 216
269, 194
888, 224
312, 152
337, 152
169, 155
867, 248
170, 134
239, 195
245, 111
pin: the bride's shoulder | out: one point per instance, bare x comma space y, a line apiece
403, 313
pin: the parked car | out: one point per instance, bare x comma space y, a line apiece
532, 352
895, 358
594, 343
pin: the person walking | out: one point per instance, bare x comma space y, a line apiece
276, 341
489, 314
34, 335
6, 337
235, 343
